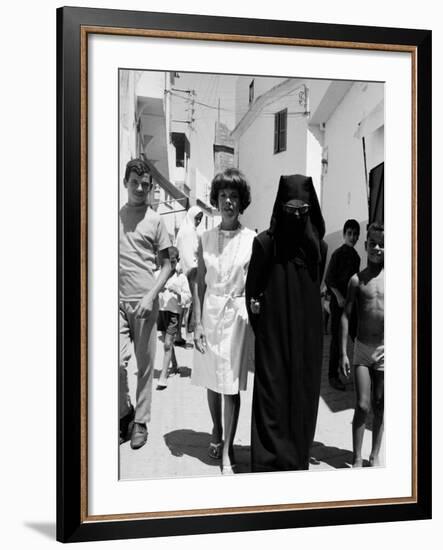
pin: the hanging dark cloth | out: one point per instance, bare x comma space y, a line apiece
284, 274
377, 194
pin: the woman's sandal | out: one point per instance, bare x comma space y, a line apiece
215, 450
162, 384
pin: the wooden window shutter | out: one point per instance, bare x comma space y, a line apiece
283, 129
276, 132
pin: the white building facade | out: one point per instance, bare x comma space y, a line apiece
334, 133
181, 124
349, 123
255, 148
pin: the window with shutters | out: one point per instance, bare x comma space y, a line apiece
280, 130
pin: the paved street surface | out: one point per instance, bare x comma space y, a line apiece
180, 427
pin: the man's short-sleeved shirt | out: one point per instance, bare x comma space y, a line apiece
142, 235
344, 262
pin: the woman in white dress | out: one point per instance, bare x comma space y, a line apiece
224, 340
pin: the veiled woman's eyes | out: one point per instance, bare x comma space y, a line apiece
296, 210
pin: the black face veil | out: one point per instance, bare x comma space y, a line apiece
297, 239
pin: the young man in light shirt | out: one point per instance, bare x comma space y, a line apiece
143, 236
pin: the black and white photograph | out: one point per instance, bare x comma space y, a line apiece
221, 228
194, 322
251, 274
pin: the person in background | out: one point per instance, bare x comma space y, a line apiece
142, 237
187, 245
174, 296
344, 263
223, 337
367, 290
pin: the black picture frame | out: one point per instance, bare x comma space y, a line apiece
73, 523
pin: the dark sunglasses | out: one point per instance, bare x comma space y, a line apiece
292, 209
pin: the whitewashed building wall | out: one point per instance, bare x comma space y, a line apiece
261, 86
262, 168
344, 185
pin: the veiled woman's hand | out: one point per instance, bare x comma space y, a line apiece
255, 306
200, 338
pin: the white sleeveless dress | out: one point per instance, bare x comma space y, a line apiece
230, 339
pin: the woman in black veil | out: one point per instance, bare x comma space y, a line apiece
284, 307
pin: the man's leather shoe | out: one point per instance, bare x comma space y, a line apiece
125, 423
139, 435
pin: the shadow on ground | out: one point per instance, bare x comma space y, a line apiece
333, 456
183, 372
195, 444
337, 401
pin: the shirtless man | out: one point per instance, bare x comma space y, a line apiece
366, 290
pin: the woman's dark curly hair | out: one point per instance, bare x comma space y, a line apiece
233, 179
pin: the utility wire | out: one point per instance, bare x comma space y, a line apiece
214, 107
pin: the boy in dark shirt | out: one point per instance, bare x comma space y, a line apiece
344, 263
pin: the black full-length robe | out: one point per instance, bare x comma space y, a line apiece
284, 275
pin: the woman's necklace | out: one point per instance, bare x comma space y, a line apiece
224, 275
